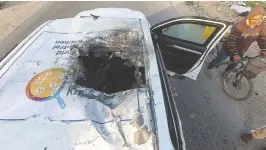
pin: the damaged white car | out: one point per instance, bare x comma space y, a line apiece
98, 81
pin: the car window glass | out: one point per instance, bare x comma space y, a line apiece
196, 33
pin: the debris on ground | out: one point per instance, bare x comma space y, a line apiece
240, 9
214, 10
239, 3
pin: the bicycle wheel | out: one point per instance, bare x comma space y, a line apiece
235, 88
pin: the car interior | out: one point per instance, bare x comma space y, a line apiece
183, 44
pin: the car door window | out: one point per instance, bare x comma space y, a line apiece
191, 32
185, 42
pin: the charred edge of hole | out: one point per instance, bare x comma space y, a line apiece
108, 73
111, 61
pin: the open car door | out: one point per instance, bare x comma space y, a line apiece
185, 42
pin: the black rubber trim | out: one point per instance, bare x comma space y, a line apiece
217, 28
171, 112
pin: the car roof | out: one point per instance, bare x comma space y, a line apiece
37, 52
89, 112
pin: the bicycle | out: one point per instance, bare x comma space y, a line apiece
241, 76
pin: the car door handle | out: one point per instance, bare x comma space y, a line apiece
184, 49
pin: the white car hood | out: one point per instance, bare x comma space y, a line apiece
90, 119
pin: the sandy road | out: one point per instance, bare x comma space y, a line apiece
12, 14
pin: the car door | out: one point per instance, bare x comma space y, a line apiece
185, 42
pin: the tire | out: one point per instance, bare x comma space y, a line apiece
225, 84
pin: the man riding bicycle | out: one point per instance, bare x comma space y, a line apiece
242, 35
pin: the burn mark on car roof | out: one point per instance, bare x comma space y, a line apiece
110, 61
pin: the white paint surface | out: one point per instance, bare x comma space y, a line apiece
113, 13
38, 132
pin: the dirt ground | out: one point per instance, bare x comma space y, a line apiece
12, 14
